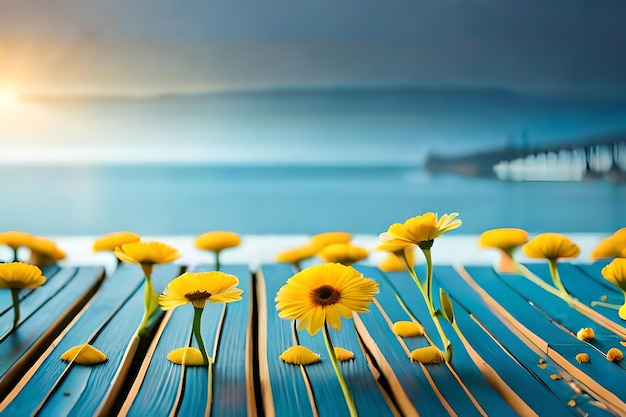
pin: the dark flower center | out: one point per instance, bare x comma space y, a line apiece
326, 295
197, 295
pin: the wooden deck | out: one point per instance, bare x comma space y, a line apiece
515, 353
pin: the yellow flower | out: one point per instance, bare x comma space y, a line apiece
582, 358
322, 240
586, 334
393, 262
421, 229
343, 253
395, 246
147, 254
297, 254
217, 241
505, 239
615, 272
299, 355
84, 355
19, 275
551, 246
614, 355
428, 355
199, 287
113, 240
343, 355
15, 239
44, 251
188, 356
325, 293
407, 329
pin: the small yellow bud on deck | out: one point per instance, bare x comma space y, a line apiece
407, 329
84, 355
614, 355
188, 356
299, 355
586, 334
555, 377
343, 355
428, 355
582, 358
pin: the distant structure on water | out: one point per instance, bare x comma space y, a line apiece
602, 158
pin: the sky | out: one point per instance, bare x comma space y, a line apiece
566, 47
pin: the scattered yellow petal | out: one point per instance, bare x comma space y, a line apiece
571, 403
343, 253
582, 358
300, 355
542, 360
20, 275
343, 355
555, 377
551, 246
114, 240
217, 240
428, 355
407, 329
542, 365
586, 334
188, 356
321, 240
614, 355
84, 355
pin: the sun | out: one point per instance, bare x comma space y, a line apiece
8, 99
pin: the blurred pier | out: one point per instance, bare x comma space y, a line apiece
602, 158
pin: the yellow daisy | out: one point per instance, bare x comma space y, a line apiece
323, 294
199, 287
217, 240
421, 230
44, 251
343, 253
19, 276
615, 272
551, 246
505, 239
393, 263
113, 240
609, 247
147, 254
15, 239
297, 254
322, 240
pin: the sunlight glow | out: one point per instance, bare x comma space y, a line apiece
8, 99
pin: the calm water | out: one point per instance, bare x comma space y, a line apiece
280, 200
353, 160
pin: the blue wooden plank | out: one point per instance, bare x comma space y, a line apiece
513, 359
550, 336
62, 299
282, 385
405, 288
57, 388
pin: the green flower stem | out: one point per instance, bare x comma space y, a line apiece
342, 381
16, 306
217, 260
556, 278
428, 300
151, 304
429, 277
607, 305
525, 272
197, 318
